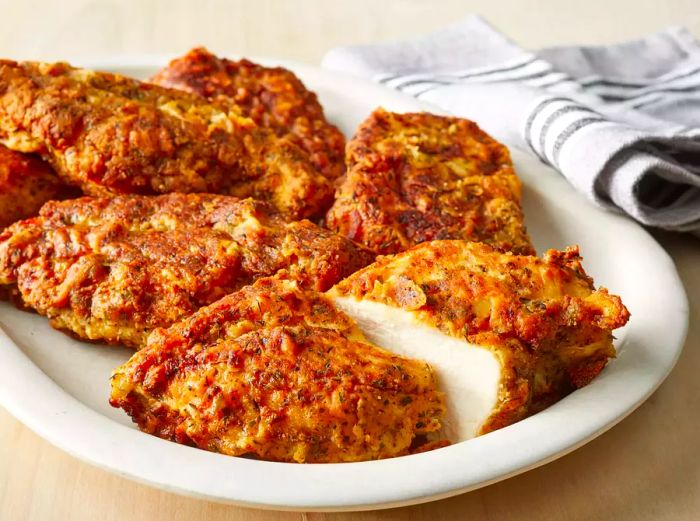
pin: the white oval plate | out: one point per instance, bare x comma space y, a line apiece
59, 387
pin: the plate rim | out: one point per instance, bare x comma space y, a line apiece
108, 444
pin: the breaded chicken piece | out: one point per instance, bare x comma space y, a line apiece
281, 374
420, 177
26, 183
112, 135
273, 97
113, 269
508, 335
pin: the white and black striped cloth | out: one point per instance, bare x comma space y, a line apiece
622, 123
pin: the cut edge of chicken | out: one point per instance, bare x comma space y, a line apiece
470, 375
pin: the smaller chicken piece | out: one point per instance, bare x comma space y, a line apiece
507, 335
419, 177
26, 183
278, 373
112, 270
273, 97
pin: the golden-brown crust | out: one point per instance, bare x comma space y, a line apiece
419, 177
26, 183
278, 373
114, 269
273, 97
112, 135
543, 318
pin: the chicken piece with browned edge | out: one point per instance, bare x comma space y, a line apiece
278, 373
109, 134
508, 335
112, 270
273, 97
420, 177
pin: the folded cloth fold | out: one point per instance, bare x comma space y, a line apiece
622, 123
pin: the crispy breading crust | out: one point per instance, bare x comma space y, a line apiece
419, 177
273, 97
26, 183
543, 318
278, 373
114, 269
112, 135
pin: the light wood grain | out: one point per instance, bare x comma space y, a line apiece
646, 468
305, 29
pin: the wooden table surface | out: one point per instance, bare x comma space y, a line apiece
646, 468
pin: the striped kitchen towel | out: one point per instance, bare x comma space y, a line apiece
622, 123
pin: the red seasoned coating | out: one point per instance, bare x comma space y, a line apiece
114, 269
550, 328
279, 373
420, 177
273, 97
26, 183
109, 134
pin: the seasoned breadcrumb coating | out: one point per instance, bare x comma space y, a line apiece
420, 177
273, 97
114, 269
278, 373
110, 135
26, 183
543, 318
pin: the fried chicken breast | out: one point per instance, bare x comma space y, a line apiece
109, 135
273, 97
508, 335
419, 177
112, 270
281, 374
26, 183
